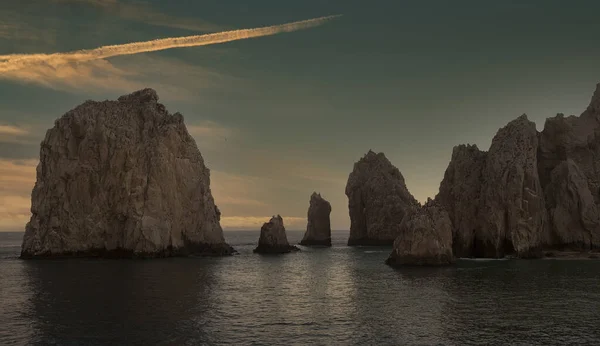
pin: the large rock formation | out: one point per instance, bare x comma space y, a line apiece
512, 209
273, 239
318, 229
122, 179
495, 199
425, 238
459, 195
569, 169
378, 201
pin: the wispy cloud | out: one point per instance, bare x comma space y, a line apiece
89, 69
17, 178
15, 134
142, 12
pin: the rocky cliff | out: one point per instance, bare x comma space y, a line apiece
425, 238
318, 229
273, 239
569, 169
378, 201
122, 179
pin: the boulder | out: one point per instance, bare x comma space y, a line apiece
122, 179
318, 229
273, 239
425, 239
378, 201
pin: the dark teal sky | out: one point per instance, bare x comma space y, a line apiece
409, 78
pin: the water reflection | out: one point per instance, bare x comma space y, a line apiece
108, 302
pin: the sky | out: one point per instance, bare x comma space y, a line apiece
281, 115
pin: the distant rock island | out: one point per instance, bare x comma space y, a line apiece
273, 239
531, 193
318, 228
122, 179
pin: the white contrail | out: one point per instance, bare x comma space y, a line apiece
14, 62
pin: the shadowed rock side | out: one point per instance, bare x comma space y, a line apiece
318, 229
569, 168
273, 239
512, 212
378, 201
122, 179
425, 239
571, 209
459, 196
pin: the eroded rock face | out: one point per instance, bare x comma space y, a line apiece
495, 200
425, 238
574, 217
459, 196
378, 201
273, 239
512, 214
318, 229
122, 179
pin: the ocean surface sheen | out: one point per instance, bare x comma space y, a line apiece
336, 296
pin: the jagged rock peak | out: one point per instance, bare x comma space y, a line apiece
273, 239
594, 106
318, 228
122, 179
378, 200
144, 95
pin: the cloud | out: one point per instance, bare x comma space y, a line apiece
15, 134
256, 222
142, 12
17, 178
89, 69
12, 64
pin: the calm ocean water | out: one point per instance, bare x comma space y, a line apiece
337, 296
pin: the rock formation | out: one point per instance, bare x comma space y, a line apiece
425, 238
574, 215
318, 229
512, 209
378, 201
495, 199
273, 239
569, 169
459, 196
122, 179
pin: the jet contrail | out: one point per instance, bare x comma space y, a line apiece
14, 62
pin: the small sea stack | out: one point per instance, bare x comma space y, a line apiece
273, 239
425, 239
318, 229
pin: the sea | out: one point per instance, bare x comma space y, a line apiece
319, 296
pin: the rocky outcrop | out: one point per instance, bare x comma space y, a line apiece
495, 200
122, 179
512, 213
378, 201
318, 229
574, 215
459, 195
273, 239
425, 239
569, 169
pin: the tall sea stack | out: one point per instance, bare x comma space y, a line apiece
318, 228
378, 201
122, 179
